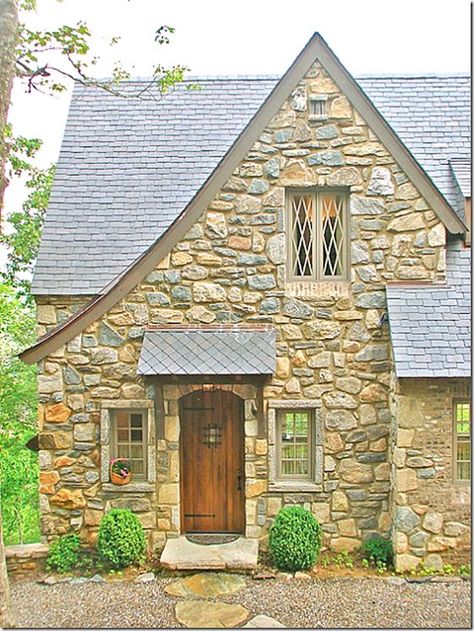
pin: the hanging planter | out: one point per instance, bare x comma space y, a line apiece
120, 471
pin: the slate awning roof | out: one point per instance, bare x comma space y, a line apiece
430, 326
208, 351
128, 167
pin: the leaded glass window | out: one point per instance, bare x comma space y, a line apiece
302, 235
318, 238
130, 439
462, 428
294, 444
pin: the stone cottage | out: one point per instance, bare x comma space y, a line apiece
258, 292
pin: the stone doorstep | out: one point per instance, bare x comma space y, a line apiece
181, 554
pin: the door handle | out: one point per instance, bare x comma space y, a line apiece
239, 479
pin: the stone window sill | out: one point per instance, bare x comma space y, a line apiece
316, 289
297, 486
131, 487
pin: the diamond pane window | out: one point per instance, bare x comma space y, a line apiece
294, 442
333, 234
318, 238
129, 440
462, 421
302, 235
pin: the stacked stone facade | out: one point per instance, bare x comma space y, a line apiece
333, 343
431, 508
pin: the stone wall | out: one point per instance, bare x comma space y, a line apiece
431, 509
24, 560
332, 343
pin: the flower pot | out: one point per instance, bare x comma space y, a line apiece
115, 478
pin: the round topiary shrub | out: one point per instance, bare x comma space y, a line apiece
121, 540
63, 554
295, 539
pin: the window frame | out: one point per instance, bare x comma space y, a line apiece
466, 438
144, 484
318, 98
317, 262
114, 438
314, 482
310, 443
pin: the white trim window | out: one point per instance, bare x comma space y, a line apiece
318, 236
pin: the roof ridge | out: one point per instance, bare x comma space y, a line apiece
415, 75
276, 77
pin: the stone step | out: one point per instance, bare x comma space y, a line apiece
181, 554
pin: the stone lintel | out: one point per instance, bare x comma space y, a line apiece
127, 403
294, 403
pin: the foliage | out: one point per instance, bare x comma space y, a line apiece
18, 465
47, 59
464, 570
295, 539
121, 540
22, 236
121, 466
378, 551
343, 559
63, 554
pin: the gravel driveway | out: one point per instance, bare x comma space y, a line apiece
342, 602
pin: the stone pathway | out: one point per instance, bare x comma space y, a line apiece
263, 622
201, 613
206, 585
209, 615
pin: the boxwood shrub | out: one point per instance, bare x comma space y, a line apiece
121, 540
63, 554
295, 539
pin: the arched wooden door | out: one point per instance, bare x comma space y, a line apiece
212, 462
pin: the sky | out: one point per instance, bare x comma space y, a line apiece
245, 37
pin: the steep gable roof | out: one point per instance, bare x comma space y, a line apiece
129, 166
316, 49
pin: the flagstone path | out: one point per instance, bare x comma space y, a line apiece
203, 614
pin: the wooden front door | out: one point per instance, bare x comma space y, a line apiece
212, 462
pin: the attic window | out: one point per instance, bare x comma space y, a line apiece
318, 235
318, 109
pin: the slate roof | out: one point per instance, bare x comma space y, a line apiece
461, 169
431, 326
128, 167
226, 351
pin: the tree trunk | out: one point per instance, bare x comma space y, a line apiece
6, 614
8, 37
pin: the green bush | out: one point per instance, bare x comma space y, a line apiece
63, 554
378, 550
121, 540
295, 539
